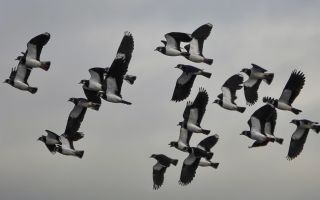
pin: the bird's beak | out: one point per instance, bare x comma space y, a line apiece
155, 50
241, 133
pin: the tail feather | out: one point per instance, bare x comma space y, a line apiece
206, 74
241, 109
126, 102
45, 65
174, 162
96, 106
130, 79
206, 132
208, 61
316, 128
296, 111
279, 140
215, 165
79, 154
32, 90
209, 156
268, 78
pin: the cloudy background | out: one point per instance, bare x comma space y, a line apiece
279, 36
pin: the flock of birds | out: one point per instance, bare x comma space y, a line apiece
106, 84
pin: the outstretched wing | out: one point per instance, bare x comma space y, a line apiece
198, 37
74, 121
198, 108
298, 139
189, 168
175, 38
251, 87
22, 72
183, 87
207, 143
293, 87
119, 67
158, 175
232, 84
35, 45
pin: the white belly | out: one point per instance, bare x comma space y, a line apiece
95, 86
196, 58
20, 85
283, 106
113, 98
172, 52
30, 62
258, 136
229, 106
193, 128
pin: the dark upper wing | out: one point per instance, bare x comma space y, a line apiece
257, 68
114, 79
207, 143
186, 111
188, 171
74, 120
175, 38
158, 175
298, 139
293, 87
126, 47
259, 118
200, 104
251, 87
233, 84
92, 95
35, 45
202, 32
183, 87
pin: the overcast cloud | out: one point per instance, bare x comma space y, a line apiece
278, 35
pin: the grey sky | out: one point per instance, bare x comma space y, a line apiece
119, 139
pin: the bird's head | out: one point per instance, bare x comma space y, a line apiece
42, 138
179, 66
246, 71
73, 100
7, 81
217, 101
83, 81
180, 124
153, 156
246, 133
295, 121
160, 49
173, 144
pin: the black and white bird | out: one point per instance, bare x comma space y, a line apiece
262, 125
113, 82
31, 57
228, 96
185, 81
172, 44
195, 47
256, 75
129, 78
194, 111
184, 138
160, 168
19, 78
289, 93
93, 86
300, 135
191, 163
64, 142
